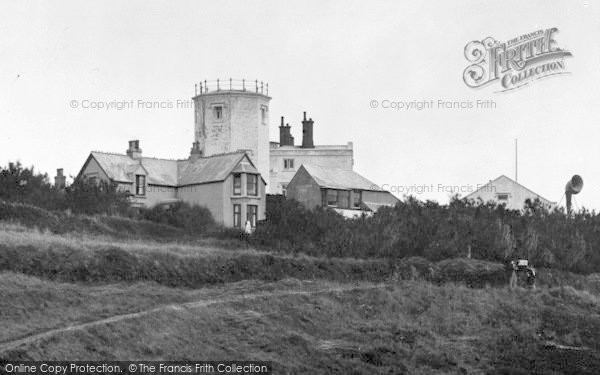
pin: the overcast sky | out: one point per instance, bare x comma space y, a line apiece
329, 58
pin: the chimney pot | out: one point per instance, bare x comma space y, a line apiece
60, 180
307, 133
195, 152
134, 150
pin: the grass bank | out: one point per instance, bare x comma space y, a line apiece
93, 260
404, 327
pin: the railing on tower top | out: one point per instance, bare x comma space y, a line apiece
232, 84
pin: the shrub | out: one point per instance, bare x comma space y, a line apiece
24, 185
193, 219
437, 232
91, 198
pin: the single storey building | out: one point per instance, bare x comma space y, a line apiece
504, 190
347, 192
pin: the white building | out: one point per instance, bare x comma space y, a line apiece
232, 116
504, 190
285, 157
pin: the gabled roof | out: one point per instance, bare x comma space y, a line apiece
515, 183
335, 178
213, 168
120, 168
166, 172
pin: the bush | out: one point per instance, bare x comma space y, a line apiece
62, 222
193, 219
24, 185
437, 232
92, 198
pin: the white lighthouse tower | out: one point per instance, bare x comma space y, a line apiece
232, 115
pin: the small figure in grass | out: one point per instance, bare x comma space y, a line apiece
247, 232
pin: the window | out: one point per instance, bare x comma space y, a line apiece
356, 198
251, 213
288, 163
237, 184
332, 197
218, 112
343, 198
237, 215
252, 184
284, 189
140, 184
263, 114
502, 196
92, 179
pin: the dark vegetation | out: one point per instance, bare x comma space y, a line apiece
24, 185
437, 232
96, 207
410, 229
67, 263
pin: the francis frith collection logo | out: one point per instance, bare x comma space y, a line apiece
515, 63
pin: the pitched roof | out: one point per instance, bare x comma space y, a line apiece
335, 178
486, 186
120, 168
209, 169
168, 172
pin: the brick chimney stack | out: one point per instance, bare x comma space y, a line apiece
134, 150
288, 132
307, 132
282, 134
285, 135
60, 181
195, 152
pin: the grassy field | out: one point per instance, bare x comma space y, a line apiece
308, 326
82, 296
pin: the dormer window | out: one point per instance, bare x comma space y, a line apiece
140, 184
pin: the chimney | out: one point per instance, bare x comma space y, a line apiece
307, 133
282, 134
195, 152
285, 136
288, 132
60, 180
134, 150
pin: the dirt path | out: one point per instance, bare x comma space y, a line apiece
8, 345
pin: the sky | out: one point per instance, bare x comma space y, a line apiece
329, 58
